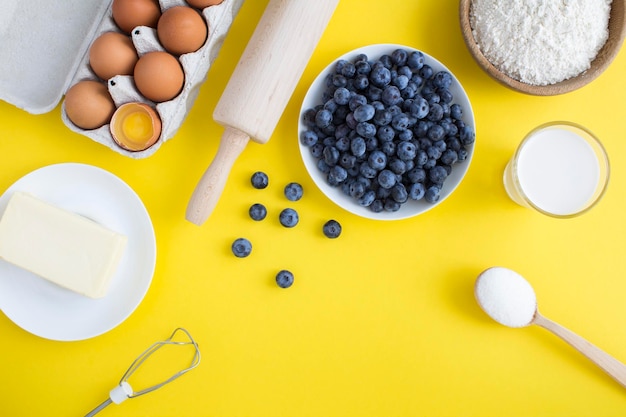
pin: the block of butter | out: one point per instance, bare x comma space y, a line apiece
61, 246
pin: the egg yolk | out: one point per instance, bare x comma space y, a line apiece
137, 127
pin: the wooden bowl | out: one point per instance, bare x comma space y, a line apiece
617, 30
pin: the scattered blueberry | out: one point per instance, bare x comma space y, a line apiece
257, 212
289, 217
259, 180
241, 247
284, 279
332, 229
293, 191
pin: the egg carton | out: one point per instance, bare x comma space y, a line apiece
41, 72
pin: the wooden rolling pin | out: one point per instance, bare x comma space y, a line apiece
260, 88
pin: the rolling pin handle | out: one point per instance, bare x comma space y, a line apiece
210, 187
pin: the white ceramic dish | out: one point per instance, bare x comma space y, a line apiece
49, 311
411, 208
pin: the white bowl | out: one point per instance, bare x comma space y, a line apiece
411, 208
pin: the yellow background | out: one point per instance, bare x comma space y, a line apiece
380, 322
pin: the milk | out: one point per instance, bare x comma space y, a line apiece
557, 170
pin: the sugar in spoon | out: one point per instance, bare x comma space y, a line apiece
510, 300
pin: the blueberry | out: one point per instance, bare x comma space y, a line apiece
432, 194
456, 111
382, 117
348, 70
367, 171
385, 133
436, 132
417, 191
317, 150
357, 146
435, 113
337, 175
284, 279
442, 79
421, 157
380, 76
419, 108
367, 199
425, 71
308, 117
449, 157
289, 217
399, 193
462, 154
391, 95
362, 67
386, 178
357, 189
347, 161
377, 206
364, 113
343, 144
308, 138
241, 247
406, 134
445, 95
331, 155
437, 174
377, 160
341, 96
331, 106
332, 229
293, 191
366, 129
398, 166
323, 118
466, 135
406, 150
356, 101
433, 153
323, 166
361, 82
257, 212
399, 57
388, 148
338, 81
417, 175
415, 60
400, 122
405, 70
401, 81
392, 205
259, 180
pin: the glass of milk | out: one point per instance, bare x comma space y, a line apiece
560, 169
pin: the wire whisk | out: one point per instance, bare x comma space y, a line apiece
124, 391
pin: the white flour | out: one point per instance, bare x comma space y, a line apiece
540, 42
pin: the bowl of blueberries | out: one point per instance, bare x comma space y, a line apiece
386, 132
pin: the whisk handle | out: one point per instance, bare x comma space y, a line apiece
99, 408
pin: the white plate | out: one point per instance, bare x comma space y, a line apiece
411, 208
49, 311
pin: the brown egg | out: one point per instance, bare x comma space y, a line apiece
135, 126
112, 54
181, 30
159, 76
128, 14
201, 4
89, 105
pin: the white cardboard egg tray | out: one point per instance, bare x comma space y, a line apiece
46, 64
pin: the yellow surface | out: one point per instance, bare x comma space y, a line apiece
380, 322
